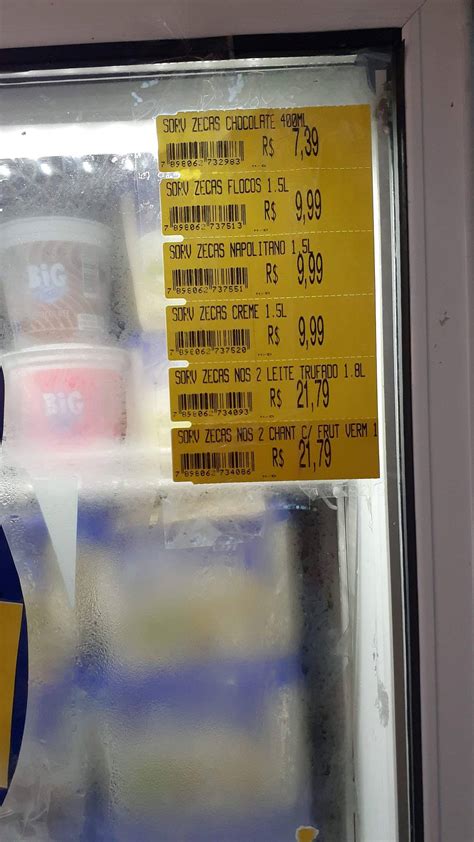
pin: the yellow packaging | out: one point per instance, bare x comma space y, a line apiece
11, 614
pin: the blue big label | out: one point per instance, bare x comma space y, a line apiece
47, 283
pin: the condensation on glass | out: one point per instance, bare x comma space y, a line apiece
205, 663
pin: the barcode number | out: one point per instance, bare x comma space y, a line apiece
236, 340
194, 217
193, 153
232, 462
207, 278
227, 403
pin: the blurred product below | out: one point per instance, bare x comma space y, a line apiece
190, 659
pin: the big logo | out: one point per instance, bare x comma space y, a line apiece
63, 408
47, 282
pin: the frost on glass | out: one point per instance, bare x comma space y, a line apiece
184, 688
191, 649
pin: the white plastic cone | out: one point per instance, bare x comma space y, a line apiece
58, 498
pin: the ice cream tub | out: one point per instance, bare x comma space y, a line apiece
65, 396
164, 765
180, 617
56, 278
248, 825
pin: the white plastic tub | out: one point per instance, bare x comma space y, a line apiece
56, 277
65, 396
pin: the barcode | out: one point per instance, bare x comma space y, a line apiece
234, 460
227, 403
194, 152
233, 276
90, 278
207, 215
188, 340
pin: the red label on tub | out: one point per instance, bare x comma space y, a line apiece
70, 406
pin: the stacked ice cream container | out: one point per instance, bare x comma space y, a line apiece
84, 302
189, 655
65, 383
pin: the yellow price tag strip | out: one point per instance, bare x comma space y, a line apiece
271, 203
11, 614
236, 391
285, 329
276, 263
299, 264
289, 450
276, 138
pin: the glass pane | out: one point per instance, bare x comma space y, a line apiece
206, 661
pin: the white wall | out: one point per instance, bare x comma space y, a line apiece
39, 22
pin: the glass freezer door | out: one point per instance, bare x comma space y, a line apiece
202, 457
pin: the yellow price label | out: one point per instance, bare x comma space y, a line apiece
247, 452
238, 391
276, 263
11, 614
274, 138
270, 203
286, 329
299, 264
